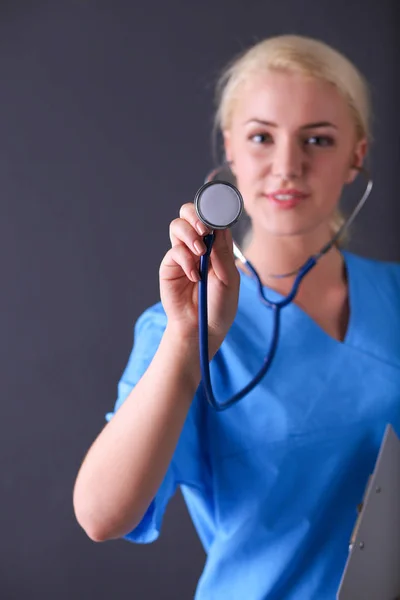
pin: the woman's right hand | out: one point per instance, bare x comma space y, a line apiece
179, 277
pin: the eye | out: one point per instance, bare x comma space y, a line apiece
260, 138
320, 140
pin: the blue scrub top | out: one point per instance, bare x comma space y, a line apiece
272, 484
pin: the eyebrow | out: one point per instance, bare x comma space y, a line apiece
307, 126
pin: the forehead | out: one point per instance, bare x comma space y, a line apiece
290, 100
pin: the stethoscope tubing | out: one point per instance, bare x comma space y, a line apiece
276, 307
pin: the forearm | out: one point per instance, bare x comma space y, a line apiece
128, 461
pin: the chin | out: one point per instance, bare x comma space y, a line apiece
294, 227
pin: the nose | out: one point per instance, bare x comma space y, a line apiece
288, 161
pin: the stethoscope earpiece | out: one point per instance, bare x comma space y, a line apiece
218, 204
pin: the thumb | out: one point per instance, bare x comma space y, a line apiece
222, 257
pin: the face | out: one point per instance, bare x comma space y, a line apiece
292, 142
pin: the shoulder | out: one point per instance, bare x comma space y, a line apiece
375, 272
149, 329
147, 333
152, 317
373, 263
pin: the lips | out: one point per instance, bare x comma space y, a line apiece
287, 198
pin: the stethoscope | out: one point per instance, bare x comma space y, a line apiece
219, 205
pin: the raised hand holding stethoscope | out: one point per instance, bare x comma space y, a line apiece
219, 205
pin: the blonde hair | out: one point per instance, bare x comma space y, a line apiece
297, 54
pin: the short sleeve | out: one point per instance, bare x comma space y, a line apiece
185, 467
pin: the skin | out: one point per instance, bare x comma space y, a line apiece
272, 146
126, 463
289, 153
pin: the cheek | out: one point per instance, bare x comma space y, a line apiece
246, 178
248, 171
329, 177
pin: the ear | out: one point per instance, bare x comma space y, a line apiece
358, 157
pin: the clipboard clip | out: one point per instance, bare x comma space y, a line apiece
357, 523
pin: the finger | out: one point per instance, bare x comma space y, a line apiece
188, 212
179, 262
222, 257
181, 232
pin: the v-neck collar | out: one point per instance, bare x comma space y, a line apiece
275, 296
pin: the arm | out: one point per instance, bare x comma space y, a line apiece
129, 459
127, 462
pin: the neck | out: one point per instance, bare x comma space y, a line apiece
278, 255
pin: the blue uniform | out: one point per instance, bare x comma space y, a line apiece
272, 483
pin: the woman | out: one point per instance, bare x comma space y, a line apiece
272, 483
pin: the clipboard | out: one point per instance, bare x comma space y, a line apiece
372, 570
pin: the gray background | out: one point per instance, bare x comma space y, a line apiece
105, 121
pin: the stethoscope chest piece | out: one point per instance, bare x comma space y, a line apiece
218, 204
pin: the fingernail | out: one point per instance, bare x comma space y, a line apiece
199, 247
201, 228
195, 275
